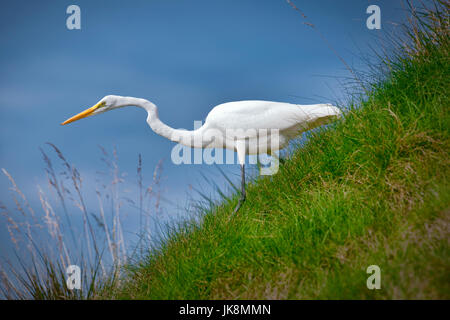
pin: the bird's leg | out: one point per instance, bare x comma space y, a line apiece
242, 198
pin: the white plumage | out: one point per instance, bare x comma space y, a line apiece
290, 119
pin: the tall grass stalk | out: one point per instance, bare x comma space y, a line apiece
48, 239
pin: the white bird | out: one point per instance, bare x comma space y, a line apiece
246, 127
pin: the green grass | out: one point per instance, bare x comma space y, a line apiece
370, 189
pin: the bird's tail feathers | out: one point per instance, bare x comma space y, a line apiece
323, 114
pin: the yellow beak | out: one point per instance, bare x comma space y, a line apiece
84, 114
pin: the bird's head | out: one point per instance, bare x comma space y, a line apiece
105, 104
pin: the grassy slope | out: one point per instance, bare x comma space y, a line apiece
371, 189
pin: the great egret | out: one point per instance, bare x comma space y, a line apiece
250, 122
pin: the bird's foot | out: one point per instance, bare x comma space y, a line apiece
240, 202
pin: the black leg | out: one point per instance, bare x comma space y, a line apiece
242, 198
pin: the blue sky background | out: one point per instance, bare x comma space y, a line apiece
185, 56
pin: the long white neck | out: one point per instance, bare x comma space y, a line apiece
188, 138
